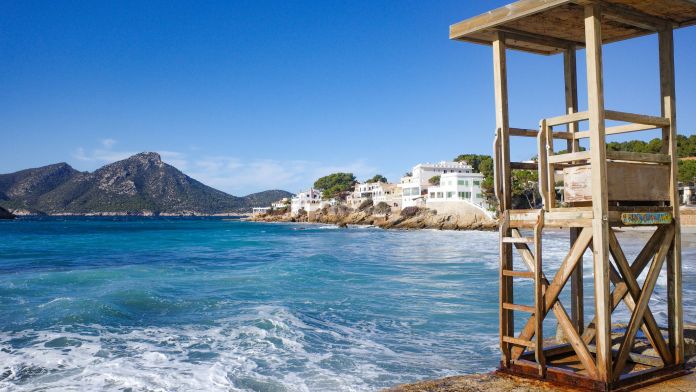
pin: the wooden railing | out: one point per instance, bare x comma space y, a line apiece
549, 162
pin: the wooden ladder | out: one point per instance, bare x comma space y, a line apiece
512, 236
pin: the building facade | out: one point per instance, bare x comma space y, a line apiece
456, 187
414, 187
309, 201
377, 192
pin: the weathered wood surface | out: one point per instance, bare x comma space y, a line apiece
625, 182
549, 26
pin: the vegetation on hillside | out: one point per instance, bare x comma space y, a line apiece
335, 185
378, 178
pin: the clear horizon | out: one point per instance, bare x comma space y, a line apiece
250, 96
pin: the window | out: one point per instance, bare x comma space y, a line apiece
479, 196
439, 195
477, 183
464, 195
432, 194
450, 194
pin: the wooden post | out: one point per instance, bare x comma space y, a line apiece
502, 119
598, 164
675, 317
570, 73
507, 321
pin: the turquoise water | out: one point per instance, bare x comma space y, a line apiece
153, 304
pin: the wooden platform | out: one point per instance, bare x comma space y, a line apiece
560, 218
550, 26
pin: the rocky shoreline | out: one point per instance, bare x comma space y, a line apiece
408, 218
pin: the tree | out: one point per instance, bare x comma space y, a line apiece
335, 185
377, 178
687, 171
525, 186
473, 160
434, 180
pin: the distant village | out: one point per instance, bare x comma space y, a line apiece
445, 187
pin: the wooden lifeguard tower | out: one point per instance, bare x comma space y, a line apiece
603, 190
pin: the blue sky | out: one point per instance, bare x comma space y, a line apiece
251, 95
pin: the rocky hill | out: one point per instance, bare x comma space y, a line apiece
141, 184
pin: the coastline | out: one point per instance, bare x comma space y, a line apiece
420, 218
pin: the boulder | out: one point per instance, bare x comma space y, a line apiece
4, 214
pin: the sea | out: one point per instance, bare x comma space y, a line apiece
213, 304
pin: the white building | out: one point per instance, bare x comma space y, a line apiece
281, 204
377, 192
458, 187
414, 188
260, 210
309, 200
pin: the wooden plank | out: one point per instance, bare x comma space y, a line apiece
636, 118
638, 157
523, 132
600, 228
632, 17
570, 78
543, 166
567, 118
550, 169
506, 317
675, 312
650, 327
538, 39
646, 218
532, 133
518, 307
639, 312
569, 157
501, 15
518, 342
524, 166
519, 274
522, 240
497, 176
618, 129
626, 181
539, 295
502, 118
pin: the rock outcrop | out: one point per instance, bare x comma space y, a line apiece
4, 214
408, 218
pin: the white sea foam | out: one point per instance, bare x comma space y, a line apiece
266, 350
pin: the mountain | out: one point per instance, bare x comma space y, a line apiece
141, 184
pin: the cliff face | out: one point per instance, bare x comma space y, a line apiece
141, 184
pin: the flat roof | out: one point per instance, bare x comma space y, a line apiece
551, 26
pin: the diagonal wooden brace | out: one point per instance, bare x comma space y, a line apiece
649, 326
637, 268
551, 302
641, 306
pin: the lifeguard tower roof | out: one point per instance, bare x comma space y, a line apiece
551, 26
